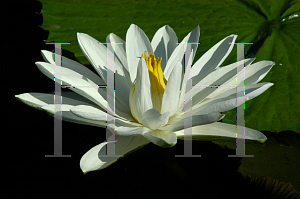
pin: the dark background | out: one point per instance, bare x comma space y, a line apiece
150, 172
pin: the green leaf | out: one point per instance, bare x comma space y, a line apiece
277, 158
271, 25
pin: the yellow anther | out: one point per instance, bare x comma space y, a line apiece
157, 79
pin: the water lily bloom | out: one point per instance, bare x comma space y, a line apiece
149, 91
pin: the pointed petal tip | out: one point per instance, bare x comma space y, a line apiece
38, 62
132, 25
84, 172
111, 34
167, 27
234, 37
197, 29
80, 34
45, 53
263, 140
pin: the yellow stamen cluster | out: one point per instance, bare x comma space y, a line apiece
157, 79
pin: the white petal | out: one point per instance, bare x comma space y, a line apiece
120, 52
92, 113
68, 116
256, 72
124, 145
184, 86
142, 95
228, 100
120, 48
74, 66
95, 52
137, 43
49, 70
38, 100
30, 100
163, 43
253, 74
177, 55
221, 132
196, 120
89, 112
161, 138
192, 38
223, 76
129, 131
84, 87
212, 59
172, 90
154, 120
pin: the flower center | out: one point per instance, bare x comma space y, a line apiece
157, 79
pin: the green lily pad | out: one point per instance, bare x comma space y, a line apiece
278, 158
272, 26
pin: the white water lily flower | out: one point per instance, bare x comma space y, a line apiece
149, 105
